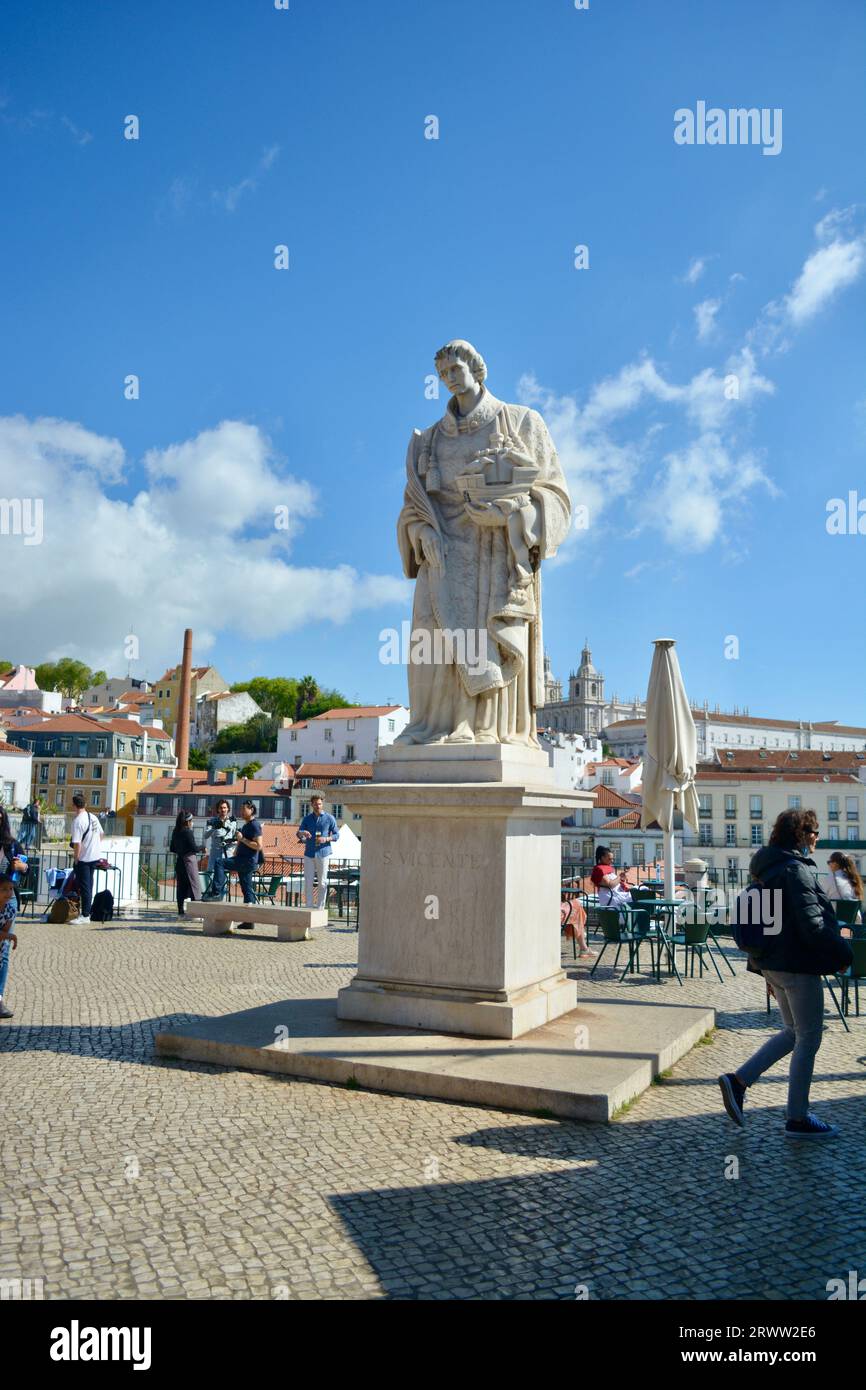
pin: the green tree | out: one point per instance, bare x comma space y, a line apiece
198, 760
325, 700
276, 695
257, 735
249, 769
308, 691
67, 675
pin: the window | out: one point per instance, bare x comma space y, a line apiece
61, 794
293, 735
350, 752
577, 688
97, 772
639, 853
730, 834
43, 772
305, 809
853, 832
607, 777
82, 748
201, 806
833, 832
659, 850
123, 772
94, 798
756, 810
150, 770
279, 808
147, 835
757, 834
121, 798
329, 736
337, 811
795, 803
350, 725
832, 808
730, 807
147, 805
100, 748
61, 773
706, 835
138, 774
586, 816
79, 772
175, 805
616, 851
65, 745
851, 812
391, 726
705, 804
592, 688
732, 870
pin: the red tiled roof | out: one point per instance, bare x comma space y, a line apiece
722, 774
630, 821
607, 797
9, 748
783, 759
184, 783
357, 712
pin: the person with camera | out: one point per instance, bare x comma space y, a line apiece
221, 831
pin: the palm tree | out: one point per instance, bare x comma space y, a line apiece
308, 689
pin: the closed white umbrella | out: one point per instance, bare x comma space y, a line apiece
671, 752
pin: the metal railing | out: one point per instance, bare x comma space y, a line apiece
145, 882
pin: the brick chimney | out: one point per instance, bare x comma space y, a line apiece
181, 741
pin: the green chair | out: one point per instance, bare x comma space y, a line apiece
268, 888
847, 911
616, 933
853, 975
28, 885
694, 938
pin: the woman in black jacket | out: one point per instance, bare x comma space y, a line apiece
186, 852
792, 962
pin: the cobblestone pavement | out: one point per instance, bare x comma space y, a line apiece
130, 1177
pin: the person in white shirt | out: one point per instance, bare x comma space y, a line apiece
86, 851
843, 880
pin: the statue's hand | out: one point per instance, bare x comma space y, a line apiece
431, 547
490, 513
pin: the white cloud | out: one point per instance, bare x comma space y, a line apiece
696, 269
81, 137
197, 547
231, 196
705, 317
837, 263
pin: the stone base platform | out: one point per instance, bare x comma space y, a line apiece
584, 1065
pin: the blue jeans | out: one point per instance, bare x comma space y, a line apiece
218, 881
801, 1004
84, 878
245, 870
5, 957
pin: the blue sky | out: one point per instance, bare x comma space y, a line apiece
262, 388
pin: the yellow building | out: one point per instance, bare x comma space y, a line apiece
206, 680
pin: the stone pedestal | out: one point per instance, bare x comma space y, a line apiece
460, 891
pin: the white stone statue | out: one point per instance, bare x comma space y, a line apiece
486, 501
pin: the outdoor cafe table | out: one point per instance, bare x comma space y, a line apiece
668, 906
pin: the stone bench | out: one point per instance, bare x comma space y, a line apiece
292, 923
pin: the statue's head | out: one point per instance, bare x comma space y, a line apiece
458, 364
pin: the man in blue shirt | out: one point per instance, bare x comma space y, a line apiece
317, 832
247, 855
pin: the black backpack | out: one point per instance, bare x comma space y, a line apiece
102, 909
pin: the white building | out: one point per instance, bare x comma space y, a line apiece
218, 710
569, 755
585, 709
18, 688
16, 775
110, 691
347, 735
715, 730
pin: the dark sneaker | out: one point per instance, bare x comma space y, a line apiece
6, 1013
733, 1095
245, 926
810, 1128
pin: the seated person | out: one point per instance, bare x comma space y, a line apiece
611, 887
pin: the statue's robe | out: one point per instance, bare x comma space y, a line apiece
485, 586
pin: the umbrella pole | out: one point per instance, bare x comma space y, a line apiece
669, 863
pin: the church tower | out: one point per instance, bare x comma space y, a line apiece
586, 694
552, 687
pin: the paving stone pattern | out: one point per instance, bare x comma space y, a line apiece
129, 1177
